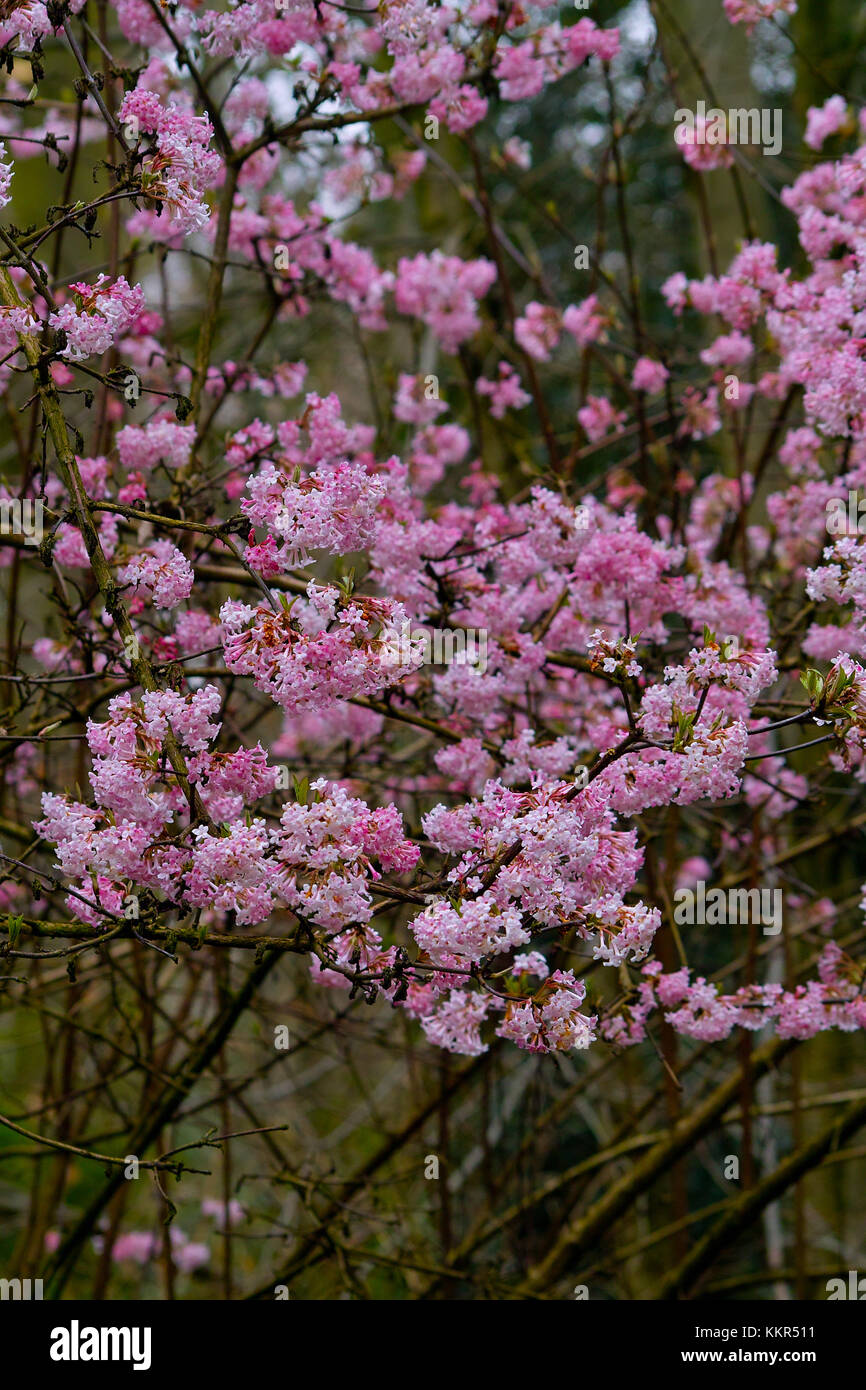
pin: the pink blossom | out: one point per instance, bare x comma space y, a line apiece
584, 321
444, 292
599, 418
183, 167
538, 330
96, 316
5, 177
163, 572
751, 12
649, 376
505, 392
824, 121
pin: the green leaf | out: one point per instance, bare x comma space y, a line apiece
813, 682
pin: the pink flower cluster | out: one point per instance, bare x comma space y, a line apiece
97, 316
698, 1009
333, 509
623, 667
751, 12
6, 172
181, 167
141, 839
443, 291
163, 573
160, 442
314, 652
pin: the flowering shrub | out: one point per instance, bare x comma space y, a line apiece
229, 543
